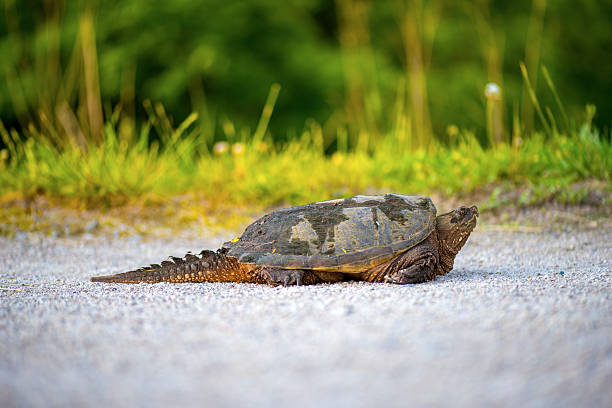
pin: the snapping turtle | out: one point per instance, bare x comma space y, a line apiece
392, 238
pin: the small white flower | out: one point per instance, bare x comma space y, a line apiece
220, 147
492, 91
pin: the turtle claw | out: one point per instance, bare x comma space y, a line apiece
285, 277
403, 276
412, 274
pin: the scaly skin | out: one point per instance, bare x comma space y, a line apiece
209, 267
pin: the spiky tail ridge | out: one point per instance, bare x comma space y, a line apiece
208, 267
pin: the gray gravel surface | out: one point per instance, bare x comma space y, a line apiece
525, 319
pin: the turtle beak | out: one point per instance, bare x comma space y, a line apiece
472, 216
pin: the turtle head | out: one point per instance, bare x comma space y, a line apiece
454, 228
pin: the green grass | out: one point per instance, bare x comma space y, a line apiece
254, 172
150, 164
71, 152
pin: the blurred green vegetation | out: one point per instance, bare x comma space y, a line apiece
259, 173
346, 64
288, 102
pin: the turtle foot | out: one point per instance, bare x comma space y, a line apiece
285, 277
421, 271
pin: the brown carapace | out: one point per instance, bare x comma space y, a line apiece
392, 238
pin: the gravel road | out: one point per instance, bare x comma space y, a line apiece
525, 319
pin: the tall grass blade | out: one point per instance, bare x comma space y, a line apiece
91, 86
189, 120
8, 141
553, 89
534, 99
266, 113
533, 45
516, 126
553, 122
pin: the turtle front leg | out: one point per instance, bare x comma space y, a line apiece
416, 265
286, 277
421, 270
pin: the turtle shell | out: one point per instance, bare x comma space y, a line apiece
345, 235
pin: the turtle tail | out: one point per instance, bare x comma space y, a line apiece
208, 267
